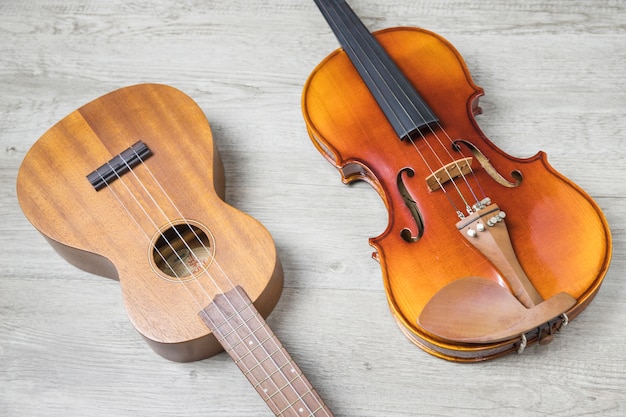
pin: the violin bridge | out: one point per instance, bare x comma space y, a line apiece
455, 169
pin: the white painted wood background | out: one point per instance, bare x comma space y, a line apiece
555, 79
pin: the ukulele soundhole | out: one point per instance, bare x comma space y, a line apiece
183, 251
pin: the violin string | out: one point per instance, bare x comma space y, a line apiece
195, 277
359, 44
323, 7
355, 20
402, 86
366, 55
398, 119
375, 52
478, 184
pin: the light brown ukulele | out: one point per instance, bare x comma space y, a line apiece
130, 187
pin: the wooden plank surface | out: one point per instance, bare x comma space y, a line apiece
553, 72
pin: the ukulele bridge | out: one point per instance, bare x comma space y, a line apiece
119, 165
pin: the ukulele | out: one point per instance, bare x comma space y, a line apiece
484, 253
130, 187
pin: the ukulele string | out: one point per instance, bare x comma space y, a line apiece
208, 274
223, 273
176, 275
136, 221
356, 21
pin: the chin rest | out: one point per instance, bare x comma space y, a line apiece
478, 310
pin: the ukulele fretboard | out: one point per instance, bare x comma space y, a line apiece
256, 350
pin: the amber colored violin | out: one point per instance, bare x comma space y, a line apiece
130, 187
484, 253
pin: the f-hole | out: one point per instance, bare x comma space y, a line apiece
406, 232
489, 169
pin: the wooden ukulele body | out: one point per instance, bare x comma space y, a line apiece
117, 231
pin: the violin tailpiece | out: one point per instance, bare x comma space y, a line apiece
486, 230
479, 310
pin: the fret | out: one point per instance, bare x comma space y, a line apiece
403, 106
249, 340
245, 355
233, 316
302, 409
269, 369
259, 361
281, 374
250, 349
258, 353
307, 405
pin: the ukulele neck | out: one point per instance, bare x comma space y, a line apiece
256, 350
402, 105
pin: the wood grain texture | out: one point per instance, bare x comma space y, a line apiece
561, 238
553, 77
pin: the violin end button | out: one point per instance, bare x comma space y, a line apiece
546, 339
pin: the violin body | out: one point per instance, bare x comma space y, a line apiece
117, 231
438, 282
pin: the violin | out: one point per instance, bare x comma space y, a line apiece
484, 253
130, 186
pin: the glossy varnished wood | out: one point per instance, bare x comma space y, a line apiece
558, 232
553, 77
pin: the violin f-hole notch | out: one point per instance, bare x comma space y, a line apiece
487, 166
411, 204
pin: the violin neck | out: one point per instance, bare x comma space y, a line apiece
258, 353
403, 106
